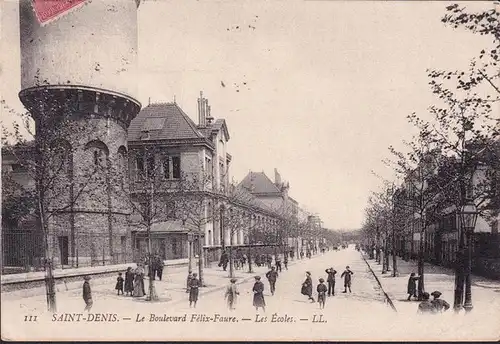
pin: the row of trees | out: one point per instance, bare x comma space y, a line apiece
455, 156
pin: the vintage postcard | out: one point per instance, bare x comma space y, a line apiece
224, 170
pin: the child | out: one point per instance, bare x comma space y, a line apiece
119, 283
87, 294
321, 289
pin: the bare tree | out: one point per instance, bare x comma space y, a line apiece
40, 144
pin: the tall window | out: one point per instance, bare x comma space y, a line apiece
151, 166
171, 167
167, 174
139, 164
176, 167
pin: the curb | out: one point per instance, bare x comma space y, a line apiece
387, 298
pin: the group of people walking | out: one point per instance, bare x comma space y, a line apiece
322, 289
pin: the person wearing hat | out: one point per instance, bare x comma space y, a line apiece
129, 281
272, 276
87, 294
426, 307
412, 286
347, 278
440, 305
231, 294
321, 289
194, 286
331, 281
258, 294
307, 287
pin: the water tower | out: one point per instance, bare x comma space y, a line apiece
78, 80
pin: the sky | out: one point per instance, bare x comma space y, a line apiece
316, 89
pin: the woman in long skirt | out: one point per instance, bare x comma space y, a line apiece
139, 283
231, 294
194, 286
258, 294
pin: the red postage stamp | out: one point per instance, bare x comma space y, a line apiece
47, 10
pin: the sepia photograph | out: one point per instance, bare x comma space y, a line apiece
220, 170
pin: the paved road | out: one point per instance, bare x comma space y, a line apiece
346, 316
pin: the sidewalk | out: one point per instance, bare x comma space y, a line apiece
485, 292
171, 290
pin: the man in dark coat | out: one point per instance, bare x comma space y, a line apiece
258, 294
426, 307
331, 281
347, 279
87, 294
159, 267
440, 305
307, 287
224, 259
412, 286
272, 276
129, 281
285, 262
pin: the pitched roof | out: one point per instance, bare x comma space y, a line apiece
241, 194
163, 121
259, 183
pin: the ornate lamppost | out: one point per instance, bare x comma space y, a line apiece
468, 218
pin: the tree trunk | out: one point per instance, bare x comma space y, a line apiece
201, 263
152, 291
394, 256
201, 259
421, 285
250, 259
48, 263
231, 269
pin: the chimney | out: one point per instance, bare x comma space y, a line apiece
209, 115
277, 177
201, 110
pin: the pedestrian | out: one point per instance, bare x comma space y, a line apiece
321, 289
139, 282
194, 286
87, 294
231, 294
188, 281
159, 267
278, 263
272, 276
285, 262
224, 259
307, 287
301, 254
440, 305
119, 283
129, 281
331, 281
269, 260
258, 294
412, 286
426, 307
347, 279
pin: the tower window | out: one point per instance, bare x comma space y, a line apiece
176, 167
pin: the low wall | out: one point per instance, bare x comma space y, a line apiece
36, 279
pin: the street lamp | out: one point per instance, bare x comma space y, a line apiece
190, 240
468, 218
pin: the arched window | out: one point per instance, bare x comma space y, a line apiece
99, 153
